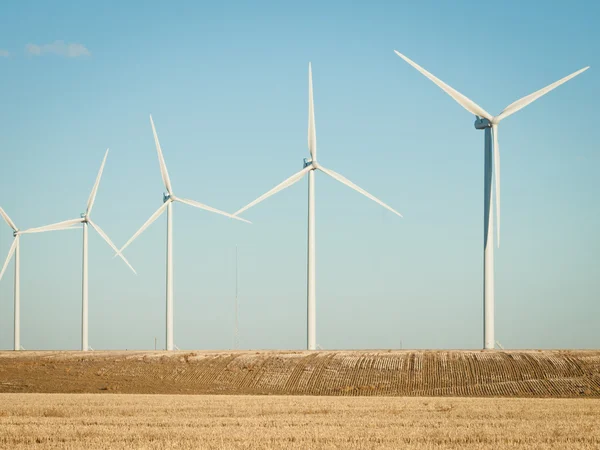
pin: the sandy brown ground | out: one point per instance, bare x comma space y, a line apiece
75, 421
566, 374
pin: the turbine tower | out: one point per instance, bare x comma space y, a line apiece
86, 220
309, 168
168, 200
485, 121
15, 250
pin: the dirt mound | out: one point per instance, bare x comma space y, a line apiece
352, 373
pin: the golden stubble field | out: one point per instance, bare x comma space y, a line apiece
99, 421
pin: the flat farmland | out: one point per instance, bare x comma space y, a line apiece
73, 421
525, 374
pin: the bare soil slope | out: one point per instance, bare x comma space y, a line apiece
533, 373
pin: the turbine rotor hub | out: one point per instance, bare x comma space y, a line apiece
307, 163
166, 197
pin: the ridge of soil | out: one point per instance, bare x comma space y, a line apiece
426, 373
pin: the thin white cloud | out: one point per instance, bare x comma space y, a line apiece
59, 48
4, 53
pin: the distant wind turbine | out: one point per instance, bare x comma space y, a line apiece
309, 168
15, 250
168, 200
485, 121
85, 220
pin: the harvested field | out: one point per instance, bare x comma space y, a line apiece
559, 374
72, 421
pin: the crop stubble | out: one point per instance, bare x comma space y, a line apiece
73, 421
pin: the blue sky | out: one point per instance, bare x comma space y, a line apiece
227, 86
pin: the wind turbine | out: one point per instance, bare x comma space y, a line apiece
168, 200
309, 168
85, 220
485, 121
15, 250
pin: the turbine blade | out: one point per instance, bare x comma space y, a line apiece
7, 219
161, 160
350, 184
61, 228
90, 202
312, 133
152, 218
497, 179
53, 227
463, 101
109, 242
523, 102
11, 251
287, 183
209, 208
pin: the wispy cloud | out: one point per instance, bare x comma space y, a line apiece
59, 48
4, 53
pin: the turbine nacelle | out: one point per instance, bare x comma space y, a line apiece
314, 165
482, 124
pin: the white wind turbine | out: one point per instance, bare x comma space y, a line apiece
168, 200
485, 121
15, 250
309, 168
85, 220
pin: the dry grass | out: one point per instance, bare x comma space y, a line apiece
73, 421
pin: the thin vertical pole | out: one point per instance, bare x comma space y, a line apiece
170, 276
17, 325
488, 247
84, 291
236, 336
311, 298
